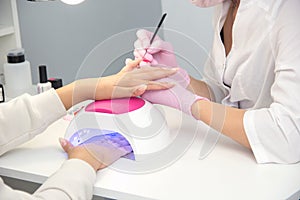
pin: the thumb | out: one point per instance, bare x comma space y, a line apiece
65, 144
128, 61
131, 64
134, 63
122, 92
139, 90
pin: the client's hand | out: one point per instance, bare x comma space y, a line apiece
100, 153
130, 81
134, 81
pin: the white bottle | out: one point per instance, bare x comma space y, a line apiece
43, 85
17, 73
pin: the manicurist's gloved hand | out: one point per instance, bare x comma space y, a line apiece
177, 97
159, 52
98, 153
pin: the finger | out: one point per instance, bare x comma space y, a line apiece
134, 63
155, 47
137, 91
148, 58
154, 62
144, 55
155, 85
143, 43
144, 34
138, 45
122, 92
126, 149
127, 61
154, 73
131, 64
144, 63
141, 53
66, 145
123, 142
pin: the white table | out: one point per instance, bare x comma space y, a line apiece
228, 172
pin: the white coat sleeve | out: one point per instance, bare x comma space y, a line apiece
274, 133
26, 116
23, 118
74, 180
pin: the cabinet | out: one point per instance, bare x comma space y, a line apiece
9, 30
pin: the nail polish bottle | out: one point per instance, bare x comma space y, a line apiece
56, 82
2, 96
44, 85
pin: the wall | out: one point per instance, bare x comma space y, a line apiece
189, 29
61, 36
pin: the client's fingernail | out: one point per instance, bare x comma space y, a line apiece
142, 87
172, 83
62, 141
170, 68
127, 61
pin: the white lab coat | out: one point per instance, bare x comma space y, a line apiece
23, 118
263, 74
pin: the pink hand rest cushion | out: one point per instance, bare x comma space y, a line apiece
116, 106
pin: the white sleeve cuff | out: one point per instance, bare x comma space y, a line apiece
74, 180
49, 106
256, 146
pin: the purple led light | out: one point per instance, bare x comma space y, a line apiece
89, 135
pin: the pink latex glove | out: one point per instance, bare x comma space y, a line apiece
176, 97
159, 53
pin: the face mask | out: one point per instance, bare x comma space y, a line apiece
206, 3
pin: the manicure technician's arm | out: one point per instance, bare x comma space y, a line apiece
224, 119
200, 88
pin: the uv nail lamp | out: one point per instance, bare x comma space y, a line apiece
142, 124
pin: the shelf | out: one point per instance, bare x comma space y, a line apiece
6, 30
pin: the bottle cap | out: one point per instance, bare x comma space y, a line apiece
56, 82
2, 96
16, 56
43, 74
